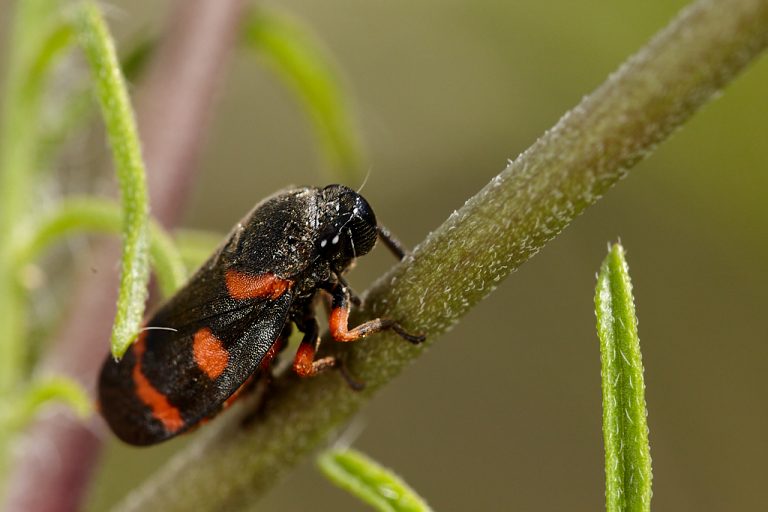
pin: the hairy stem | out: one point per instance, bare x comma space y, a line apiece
87, 214
625, 423
507, 222
201, 39
35, 40
123, 136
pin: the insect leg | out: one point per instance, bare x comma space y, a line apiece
339, 320
304, 363
353, 297
392, 243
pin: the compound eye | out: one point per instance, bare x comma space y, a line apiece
349, 221
362, 226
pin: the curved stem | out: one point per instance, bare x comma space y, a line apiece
88, 214
497, 230
40, 482
38, 36
298, 58
374, 484
117, 112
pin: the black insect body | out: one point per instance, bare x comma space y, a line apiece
204, 345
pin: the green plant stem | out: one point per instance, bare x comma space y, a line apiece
123, 137
625, 426
44, 391
507, 222
369, 481
36, 39
298, 58
193, 24
99, 215
195, 247
79, 107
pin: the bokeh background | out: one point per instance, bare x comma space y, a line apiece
503, 413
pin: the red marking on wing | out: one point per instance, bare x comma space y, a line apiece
245, 286
210, 354
158, 403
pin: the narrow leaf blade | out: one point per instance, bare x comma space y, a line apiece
126, 150
298, 58
95, 215
625, 427
372, 483
41, 393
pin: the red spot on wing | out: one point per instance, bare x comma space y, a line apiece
210, 355
246, 286
157, 402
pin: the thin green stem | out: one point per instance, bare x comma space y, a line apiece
166, 259
126, 150
372, 483
196, 246
298, 58
38, 36
79, 107
42, 392
625, 427
88, 214
569, 168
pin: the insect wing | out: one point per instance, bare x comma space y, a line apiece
175, 376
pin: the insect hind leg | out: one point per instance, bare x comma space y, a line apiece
339, 320
305, 364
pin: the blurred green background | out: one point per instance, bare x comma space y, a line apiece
503, 413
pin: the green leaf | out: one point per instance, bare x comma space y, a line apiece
625, 429
58, 40
120, 124
78, 108
43, 392
100, 215
372, 483
38, 37
297, 57
136, 59
169, 266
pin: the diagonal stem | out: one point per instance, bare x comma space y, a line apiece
497, 230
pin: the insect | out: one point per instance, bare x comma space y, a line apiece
206, 343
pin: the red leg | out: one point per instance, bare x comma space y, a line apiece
339, 321
304, 363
